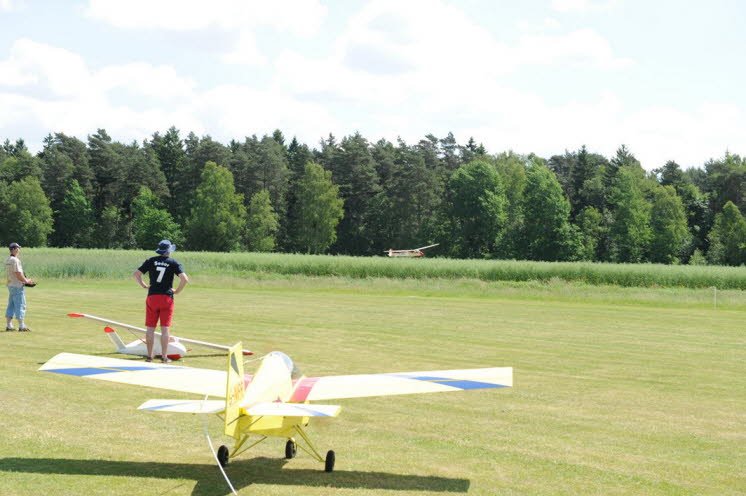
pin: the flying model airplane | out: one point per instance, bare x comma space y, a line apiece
138, 347
275, 401
416, 253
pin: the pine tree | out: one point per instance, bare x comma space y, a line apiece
353, 170
107, 169
413, 196
169, 149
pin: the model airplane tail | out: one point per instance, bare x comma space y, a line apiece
118, 343
234, 391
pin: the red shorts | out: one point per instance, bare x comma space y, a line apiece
159, 307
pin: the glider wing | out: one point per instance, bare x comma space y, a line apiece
359, 386
155, 375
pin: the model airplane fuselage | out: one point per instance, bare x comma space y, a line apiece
275, 401
139, 347
414, 253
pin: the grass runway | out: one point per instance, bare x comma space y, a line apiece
617, 391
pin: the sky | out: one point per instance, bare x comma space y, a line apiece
665, 78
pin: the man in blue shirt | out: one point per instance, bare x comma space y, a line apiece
159, 304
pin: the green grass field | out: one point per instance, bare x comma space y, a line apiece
617, 390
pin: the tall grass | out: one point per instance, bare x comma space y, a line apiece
67, 262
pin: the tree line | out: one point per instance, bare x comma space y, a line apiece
354, 197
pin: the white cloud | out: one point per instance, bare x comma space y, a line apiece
144, 79
45, 70
582, 5
581, 46
396, 54
301, 18
49, 72
396, 69
667, 133
235, 111
11, 5
547, 24
241, 18
52, 89
55, 89
245, 51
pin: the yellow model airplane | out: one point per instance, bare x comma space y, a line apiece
275, 401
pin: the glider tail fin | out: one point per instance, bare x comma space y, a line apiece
114, 338
235, 389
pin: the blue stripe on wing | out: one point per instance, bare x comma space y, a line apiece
84, 371
161, 407
457, 383
315, 412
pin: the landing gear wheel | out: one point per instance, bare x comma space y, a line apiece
329, 465
223, 455
290, 449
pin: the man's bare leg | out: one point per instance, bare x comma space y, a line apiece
150, 340
164, 343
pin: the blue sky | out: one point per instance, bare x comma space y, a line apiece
665, 78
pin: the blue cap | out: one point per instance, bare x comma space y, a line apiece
165, 247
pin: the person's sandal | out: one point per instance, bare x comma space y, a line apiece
148, 359
24, 329
166, 360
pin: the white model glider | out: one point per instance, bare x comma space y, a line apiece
276, 400
176, 348
415, 253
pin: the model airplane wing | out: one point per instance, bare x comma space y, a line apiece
294, 410
358, 386
184, 406
155, 375
194, 342
426, 247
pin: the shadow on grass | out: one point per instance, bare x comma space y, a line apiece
242, 473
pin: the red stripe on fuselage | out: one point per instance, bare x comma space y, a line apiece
303, 390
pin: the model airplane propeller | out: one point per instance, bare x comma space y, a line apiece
415, 253
275, 401
176, 348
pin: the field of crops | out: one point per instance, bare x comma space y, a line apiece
618, 391
50, 262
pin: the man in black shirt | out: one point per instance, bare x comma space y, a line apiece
159, 304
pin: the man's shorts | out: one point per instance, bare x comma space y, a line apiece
159, 307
